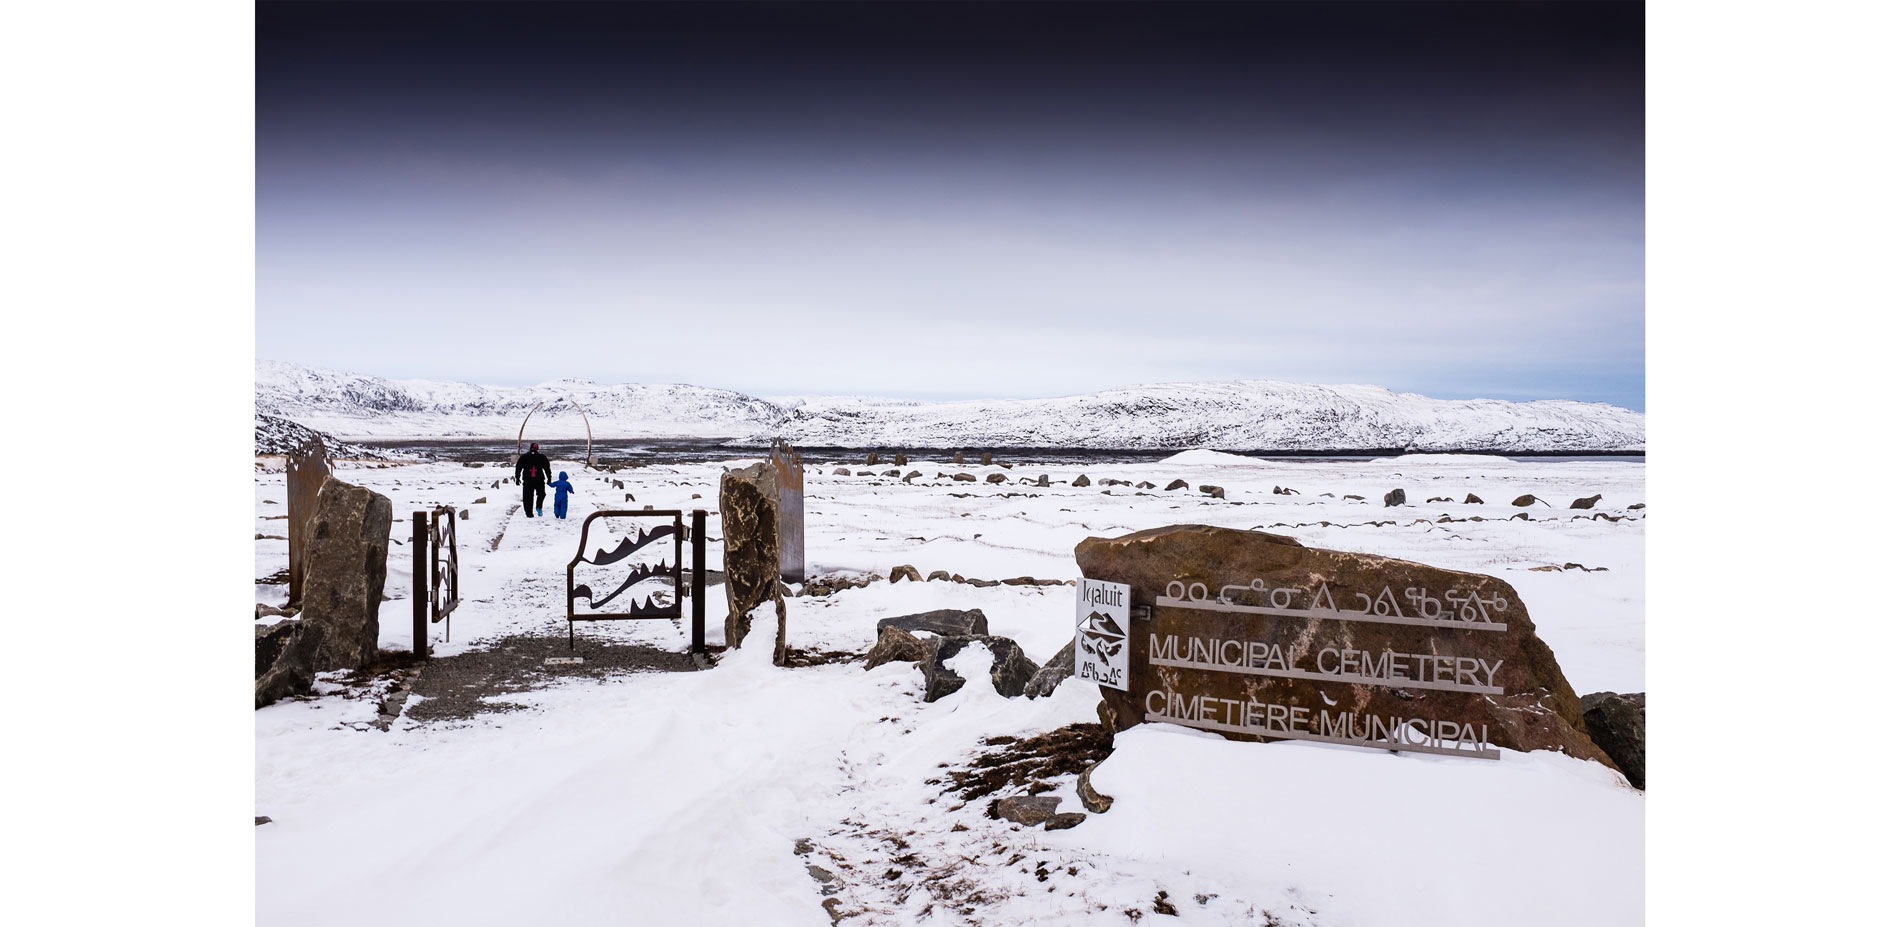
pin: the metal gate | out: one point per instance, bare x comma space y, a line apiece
445, 574
630, 567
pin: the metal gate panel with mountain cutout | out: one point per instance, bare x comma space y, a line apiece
620, 571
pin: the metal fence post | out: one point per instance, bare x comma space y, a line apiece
418, 540
699, 581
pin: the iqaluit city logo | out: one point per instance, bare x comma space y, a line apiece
1102, 637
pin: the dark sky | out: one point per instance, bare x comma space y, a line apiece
959, 199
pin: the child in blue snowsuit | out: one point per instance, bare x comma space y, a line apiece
561, 488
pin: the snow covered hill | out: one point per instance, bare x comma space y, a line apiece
356, 406
1254, 415
280, 436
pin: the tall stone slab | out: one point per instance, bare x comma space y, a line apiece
345, 560
304, 473
1259, 638
789, 470
748, 513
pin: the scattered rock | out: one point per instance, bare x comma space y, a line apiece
1092, 800
912, 475
272, 611
482, 501
965, 622
1215, 491
1471, 499
463, 514
286, 660
1050, 675
346, 554
963, 477
986, 458
1525, 500
905, 571
900, 460
1587, 503
957, 458
1027, 810
1437, 499
1360, 498
889, 473
1395, 497
1065, 820
1009, 673
1636, 506
391, 707
1616, 724
995, 478
1144, 484
1177, 484
1043, 481
866, 473
938, 574
841, 471
871, 461
837, 582
896, 645
264, 819
1082, 480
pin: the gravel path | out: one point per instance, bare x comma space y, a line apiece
458, 687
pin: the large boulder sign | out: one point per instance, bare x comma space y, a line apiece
1259, 638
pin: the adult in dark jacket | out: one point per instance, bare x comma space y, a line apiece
532, 472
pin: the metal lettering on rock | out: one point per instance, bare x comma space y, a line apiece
1171, 641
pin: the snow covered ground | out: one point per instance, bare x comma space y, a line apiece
678, 798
